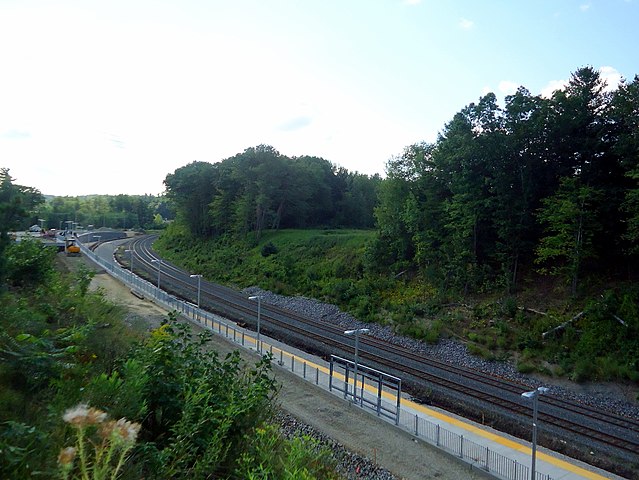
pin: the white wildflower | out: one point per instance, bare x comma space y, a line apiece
76, 415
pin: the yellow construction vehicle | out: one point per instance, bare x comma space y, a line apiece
71, 246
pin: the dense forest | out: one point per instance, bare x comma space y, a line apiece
261, 189
543, 183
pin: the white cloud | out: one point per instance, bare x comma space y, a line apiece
553, 86
507, 87
611, 76
466, 24
584, 7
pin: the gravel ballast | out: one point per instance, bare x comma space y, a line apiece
446, 350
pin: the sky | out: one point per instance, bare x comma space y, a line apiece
108, 97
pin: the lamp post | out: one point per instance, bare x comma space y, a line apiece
534, 396
199, 287
130, 252
259, 313
357, 332
159, 262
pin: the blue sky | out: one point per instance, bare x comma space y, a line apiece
110, 96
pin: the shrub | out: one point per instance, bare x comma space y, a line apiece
29, 263
19, 444
509, 307
268, 249
583, 370
525, 367
272, 456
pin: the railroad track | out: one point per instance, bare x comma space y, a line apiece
596, 427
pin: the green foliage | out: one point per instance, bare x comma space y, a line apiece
200, 410
570, 227
464, 209
112, 211
268, 249
29, 263
16, 203
62, 345
122, 392
19, 443
260, 189
270, 456
48, 354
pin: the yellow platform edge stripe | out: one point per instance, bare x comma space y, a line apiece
557, 462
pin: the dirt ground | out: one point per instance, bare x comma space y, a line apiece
358, 431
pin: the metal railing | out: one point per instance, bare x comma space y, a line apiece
476, 455
375, 380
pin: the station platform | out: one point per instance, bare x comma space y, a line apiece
549, 464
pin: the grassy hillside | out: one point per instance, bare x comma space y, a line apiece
333, 265
330, 265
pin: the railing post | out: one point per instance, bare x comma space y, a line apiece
416, 425
346, 381
399, 395
330, 376
461, 446
487, 453
437, 435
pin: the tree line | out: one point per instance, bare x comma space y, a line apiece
110, 211
262, 189
543, 183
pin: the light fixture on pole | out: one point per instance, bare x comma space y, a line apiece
534, 396
199, 287
357, 332
259, 313
159, 262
